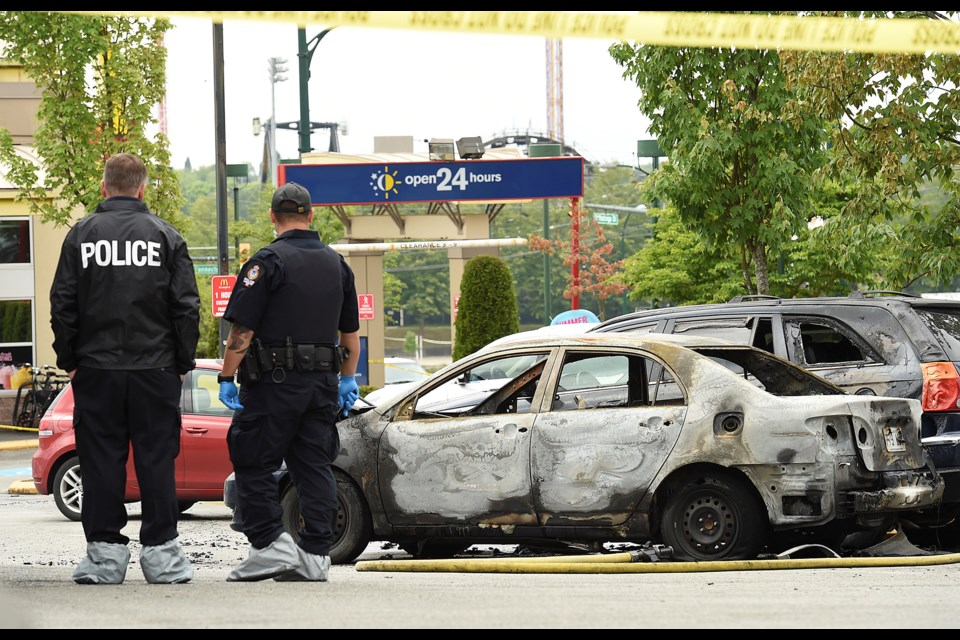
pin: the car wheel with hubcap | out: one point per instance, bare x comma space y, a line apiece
68, 488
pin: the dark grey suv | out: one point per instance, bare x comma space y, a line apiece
870, 343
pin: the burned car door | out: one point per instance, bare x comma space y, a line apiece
459, 451
598, 442
831, 349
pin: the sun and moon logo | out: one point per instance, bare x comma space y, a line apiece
384, 182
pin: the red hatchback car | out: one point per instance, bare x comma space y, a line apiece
202, 466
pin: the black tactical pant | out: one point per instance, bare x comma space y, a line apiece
292, 420
114, 411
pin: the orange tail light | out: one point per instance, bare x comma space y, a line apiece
941, 386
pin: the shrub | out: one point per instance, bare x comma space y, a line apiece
487, 309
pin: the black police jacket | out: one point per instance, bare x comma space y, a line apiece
124, 295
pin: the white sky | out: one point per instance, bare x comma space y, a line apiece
385, 82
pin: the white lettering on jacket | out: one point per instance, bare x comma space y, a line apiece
138, 253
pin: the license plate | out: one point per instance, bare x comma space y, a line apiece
893, 438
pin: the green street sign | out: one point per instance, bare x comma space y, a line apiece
607, 218
206, 269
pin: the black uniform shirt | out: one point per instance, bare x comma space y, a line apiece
258, 297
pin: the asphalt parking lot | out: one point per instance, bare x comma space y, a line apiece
385, 588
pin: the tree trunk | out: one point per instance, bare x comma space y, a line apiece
761, 269
745, 270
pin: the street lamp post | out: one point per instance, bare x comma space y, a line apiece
276, 68
305, 55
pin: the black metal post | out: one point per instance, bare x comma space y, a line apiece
221, 164
305, 52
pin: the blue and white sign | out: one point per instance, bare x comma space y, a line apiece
439, 181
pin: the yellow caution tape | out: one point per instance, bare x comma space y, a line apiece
665, 28
10, 427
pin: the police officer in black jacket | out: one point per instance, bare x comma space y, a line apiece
125, 314
295, 327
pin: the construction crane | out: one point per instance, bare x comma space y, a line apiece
555, 89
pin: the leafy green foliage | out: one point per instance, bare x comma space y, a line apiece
488, 305
101, 77
410, 343
743, 160
895, 127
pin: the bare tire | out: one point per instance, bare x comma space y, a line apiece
68, 488
714, 517
352, 530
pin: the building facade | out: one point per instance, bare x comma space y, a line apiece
29, 249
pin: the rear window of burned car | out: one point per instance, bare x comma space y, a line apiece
776, 376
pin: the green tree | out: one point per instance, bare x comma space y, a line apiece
677, 267
425, 278
743, 158
410, 343
101, 77
488, 305
895, 131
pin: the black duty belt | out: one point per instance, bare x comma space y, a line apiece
274, 361
302, 357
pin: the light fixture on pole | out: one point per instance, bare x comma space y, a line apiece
440, 149
470, 148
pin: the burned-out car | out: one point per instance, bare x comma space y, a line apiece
715, 449
868, 343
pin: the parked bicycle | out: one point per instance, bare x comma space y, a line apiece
35, 396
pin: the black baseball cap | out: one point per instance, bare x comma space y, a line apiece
291, 198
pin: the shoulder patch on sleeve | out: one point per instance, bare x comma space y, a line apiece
252, 274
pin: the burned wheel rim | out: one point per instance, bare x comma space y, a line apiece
714, 518
351, 529
710, 524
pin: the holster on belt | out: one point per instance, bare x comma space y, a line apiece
312, 357
254, 363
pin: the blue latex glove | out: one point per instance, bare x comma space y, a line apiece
349, 392
230, 396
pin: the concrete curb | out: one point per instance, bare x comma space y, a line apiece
22, 487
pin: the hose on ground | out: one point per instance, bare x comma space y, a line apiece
630, 562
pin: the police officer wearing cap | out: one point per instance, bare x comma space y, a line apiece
294, 342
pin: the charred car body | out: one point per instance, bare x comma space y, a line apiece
867, 343
717, 450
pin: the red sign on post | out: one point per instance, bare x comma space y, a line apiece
222, 287
365, 303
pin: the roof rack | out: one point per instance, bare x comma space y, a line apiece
755, 296
876, 293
